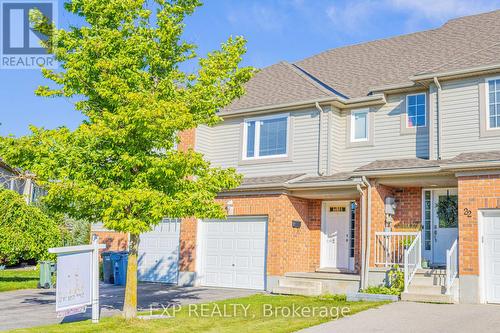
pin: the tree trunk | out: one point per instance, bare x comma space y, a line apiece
130, 305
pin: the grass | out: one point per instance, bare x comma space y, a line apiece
14, 279
191, 318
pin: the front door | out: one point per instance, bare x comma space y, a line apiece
445, 230
335, 235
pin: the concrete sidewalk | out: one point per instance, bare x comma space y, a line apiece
418, 317
35, 307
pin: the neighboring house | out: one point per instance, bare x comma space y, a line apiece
353, 159
13, 179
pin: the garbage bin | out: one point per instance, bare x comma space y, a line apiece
120, 261
107, 267
47, 268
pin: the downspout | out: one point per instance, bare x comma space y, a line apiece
320, 144
368, 231
363, 235
438, 114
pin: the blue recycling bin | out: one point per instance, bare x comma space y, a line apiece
120, 261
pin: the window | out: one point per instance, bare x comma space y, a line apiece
427, 220
359, 125
266, 137
493, 96
416, 111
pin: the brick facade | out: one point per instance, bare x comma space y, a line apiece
288, 249
115, 241
474, 193
408, 215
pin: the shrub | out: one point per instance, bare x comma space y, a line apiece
396, 283
26, 231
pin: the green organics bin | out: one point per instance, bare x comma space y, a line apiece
47, 268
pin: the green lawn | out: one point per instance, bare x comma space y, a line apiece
13, 279
192, 318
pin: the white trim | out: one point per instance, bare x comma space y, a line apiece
366, 111
425, 111
257, 136
487, 92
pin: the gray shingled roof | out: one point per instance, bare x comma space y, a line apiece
406, 163
488, 156
269, 180
334, 177
278, 84
466, 42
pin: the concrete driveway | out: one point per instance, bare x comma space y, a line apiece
35, 307
418, 317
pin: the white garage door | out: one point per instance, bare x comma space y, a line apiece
159, 253
233, 252
491, 246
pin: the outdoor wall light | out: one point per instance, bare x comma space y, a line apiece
296, 224
229, 207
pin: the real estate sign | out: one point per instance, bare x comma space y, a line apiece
74, 281
78, 279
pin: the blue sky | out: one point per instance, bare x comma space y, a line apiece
275, 29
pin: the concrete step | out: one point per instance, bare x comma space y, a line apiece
427, 298
298, 282
304, 291
429, 290
421, 280
324, 276
431, 271
333, 270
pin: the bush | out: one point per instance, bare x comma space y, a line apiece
76, 232
395, 286
26, 231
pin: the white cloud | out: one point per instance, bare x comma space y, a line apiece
356, 17
441, 10
265, 18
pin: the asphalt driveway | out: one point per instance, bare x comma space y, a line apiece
35, 307
418, 317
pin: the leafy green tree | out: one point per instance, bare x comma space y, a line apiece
26, 232
120, 166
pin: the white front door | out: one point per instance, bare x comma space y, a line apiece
233, 252
335, 235
491, 253
444, 232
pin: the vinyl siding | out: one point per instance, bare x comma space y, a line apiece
221, 145
388, 143
460, 119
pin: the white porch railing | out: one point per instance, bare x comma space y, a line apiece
390, 247
412, 260
451, 265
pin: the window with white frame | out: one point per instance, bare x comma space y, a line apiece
266, 137
359, 125
416, 112
493, 93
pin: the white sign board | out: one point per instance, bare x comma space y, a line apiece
78, 279
74, 281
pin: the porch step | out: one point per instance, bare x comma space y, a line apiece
334, 270
427, 298
324, 276
434, 280
298, 286
295, 291
427, 290
431, 271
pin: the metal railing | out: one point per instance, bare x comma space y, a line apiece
390, 247
412, 260
451, 266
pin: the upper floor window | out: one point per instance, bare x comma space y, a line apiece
416, 111
266, 137
493, 93
359, 125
